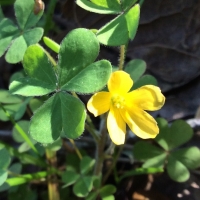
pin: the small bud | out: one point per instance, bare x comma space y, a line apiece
38, 7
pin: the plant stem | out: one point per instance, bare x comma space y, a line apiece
52, 179
113, 164
20, 130
76, 149
100, 148
122, 57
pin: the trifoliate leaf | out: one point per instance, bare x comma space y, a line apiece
61, 111
78, 50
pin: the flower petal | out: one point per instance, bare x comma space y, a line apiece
120, 82
140, 123
148, 97
99, 103
116, 127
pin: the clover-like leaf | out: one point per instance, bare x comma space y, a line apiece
135, 68
16, 39
7, 98
14, 105
86, 164
25, 15
121, 29
61, 111
5, 158
189, 156
143, 150
3, 176
144, 80
177, 170
90, 79
107, 190
24, 124
7, 33
101, 7
42, 79
112, 4
77, 50
69, 178
83, 186
171, 137
157, 161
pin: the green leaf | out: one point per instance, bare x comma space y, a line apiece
143, 150
139, 171
51, 44
86, 164
90, 79
5, 158
176, 170
16, 75
31, 87
7, 98
16, 168
3, 176
89, 6
37, 65
121, 29
156, 162
69, 178
32, 36
7, 32
61, 111
112, 4
78, 50
114, 33
7, 28
26, 178
97, 181
34, 104
132, 19
144, 80
110, 197
55, 146
15, 110
189, 156
4, 44
22, 192
83, 186
92, 195
135, 68
171, 137
25, 15
24, 124
16, 51
107, 190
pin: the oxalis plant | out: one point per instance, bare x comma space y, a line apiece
50, 91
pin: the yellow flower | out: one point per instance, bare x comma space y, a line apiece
127, 107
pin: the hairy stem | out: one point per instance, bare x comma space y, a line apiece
122, 57
52, 179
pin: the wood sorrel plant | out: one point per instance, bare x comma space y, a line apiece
50, 89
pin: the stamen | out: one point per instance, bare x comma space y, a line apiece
118, 101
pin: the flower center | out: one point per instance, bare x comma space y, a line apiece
118, 101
